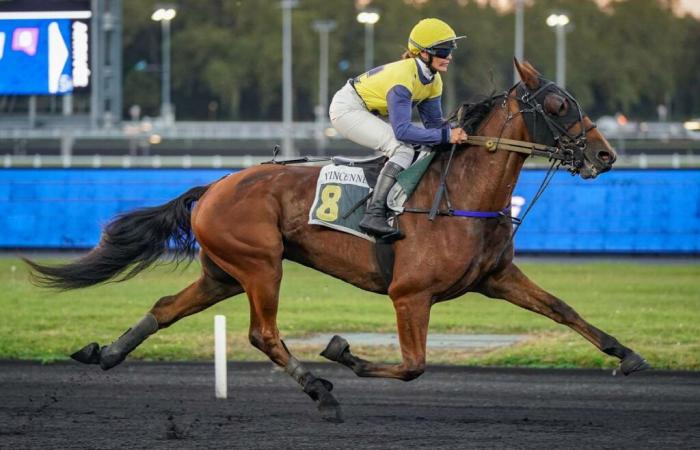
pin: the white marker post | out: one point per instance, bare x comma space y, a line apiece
220, 356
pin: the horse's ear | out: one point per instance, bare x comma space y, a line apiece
528, 74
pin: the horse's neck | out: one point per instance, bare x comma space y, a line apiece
482, 180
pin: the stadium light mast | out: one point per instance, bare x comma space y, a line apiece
369, 17
288, 140
164, 14
559, 22
323, 27
519, 35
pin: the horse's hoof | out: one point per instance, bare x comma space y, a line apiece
633, 363
319, 391
330, 409
90, 354
335, 348
110, 359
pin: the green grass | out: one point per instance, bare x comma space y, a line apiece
655, 309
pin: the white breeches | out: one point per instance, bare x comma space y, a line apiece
350, 118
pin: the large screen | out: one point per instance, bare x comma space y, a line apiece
43, 52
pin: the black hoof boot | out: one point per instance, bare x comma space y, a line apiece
105, 356
335, 349
319, 390
116, 352
633, 363
90, 354
110, 358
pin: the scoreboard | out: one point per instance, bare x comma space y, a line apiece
44, 52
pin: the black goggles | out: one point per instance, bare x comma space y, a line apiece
441, 52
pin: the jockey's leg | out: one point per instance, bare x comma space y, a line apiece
374, 221
350, 117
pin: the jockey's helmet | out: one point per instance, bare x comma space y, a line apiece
429, 34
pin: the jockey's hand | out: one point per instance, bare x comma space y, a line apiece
458, 136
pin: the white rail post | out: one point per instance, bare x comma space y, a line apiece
221, 390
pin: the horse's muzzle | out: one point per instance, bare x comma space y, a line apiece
597, 160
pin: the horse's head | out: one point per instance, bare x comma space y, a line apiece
554, 117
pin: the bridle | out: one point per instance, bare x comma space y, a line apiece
553, 141
571, 147
551, 134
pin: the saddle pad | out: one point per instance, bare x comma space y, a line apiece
407, 181
339, 189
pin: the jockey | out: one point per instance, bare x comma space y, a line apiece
391, 91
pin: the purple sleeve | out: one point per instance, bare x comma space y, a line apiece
430, 112
399, 106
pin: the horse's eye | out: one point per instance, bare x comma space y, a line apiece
556, 105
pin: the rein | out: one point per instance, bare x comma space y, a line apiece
568, 151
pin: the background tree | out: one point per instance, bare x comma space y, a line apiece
227, 60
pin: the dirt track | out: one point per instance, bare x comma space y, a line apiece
158, 405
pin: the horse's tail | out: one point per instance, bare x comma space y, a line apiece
130, 243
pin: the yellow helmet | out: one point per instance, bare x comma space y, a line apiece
429, 33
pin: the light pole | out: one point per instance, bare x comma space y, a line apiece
369, 17
519, 35
288, 140
164, 14
323, 27
559, 23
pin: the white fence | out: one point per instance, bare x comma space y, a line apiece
642, 161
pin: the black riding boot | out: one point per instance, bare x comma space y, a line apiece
374, 221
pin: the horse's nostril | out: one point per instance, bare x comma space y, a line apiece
605, 157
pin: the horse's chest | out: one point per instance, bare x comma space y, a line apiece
458, 257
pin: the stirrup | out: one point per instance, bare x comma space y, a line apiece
396, 235
389, 234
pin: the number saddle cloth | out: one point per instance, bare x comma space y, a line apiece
343, 189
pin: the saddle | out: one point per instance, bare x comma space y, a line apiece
343, 189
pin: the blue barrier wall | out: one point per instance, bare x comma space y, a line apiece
630, 211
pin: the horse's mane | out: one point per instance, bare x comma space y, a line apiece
469, 115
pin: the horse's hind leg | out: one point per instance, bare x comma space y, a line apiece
260, 273
512, 285
213, 286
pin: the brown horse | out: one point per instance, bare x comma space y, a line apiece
248, 222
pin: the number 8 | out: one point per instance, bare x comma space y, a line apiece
328, 211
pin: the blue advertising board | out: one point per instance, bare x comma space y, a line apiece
43, 55
624, 211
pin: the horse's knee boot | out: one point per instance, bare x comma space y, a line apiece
317, 388
116, 352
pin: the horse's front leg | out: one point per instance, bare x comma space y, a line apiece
512, 285
412, 317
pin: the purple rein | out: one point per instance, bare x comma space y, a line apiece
480, 214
